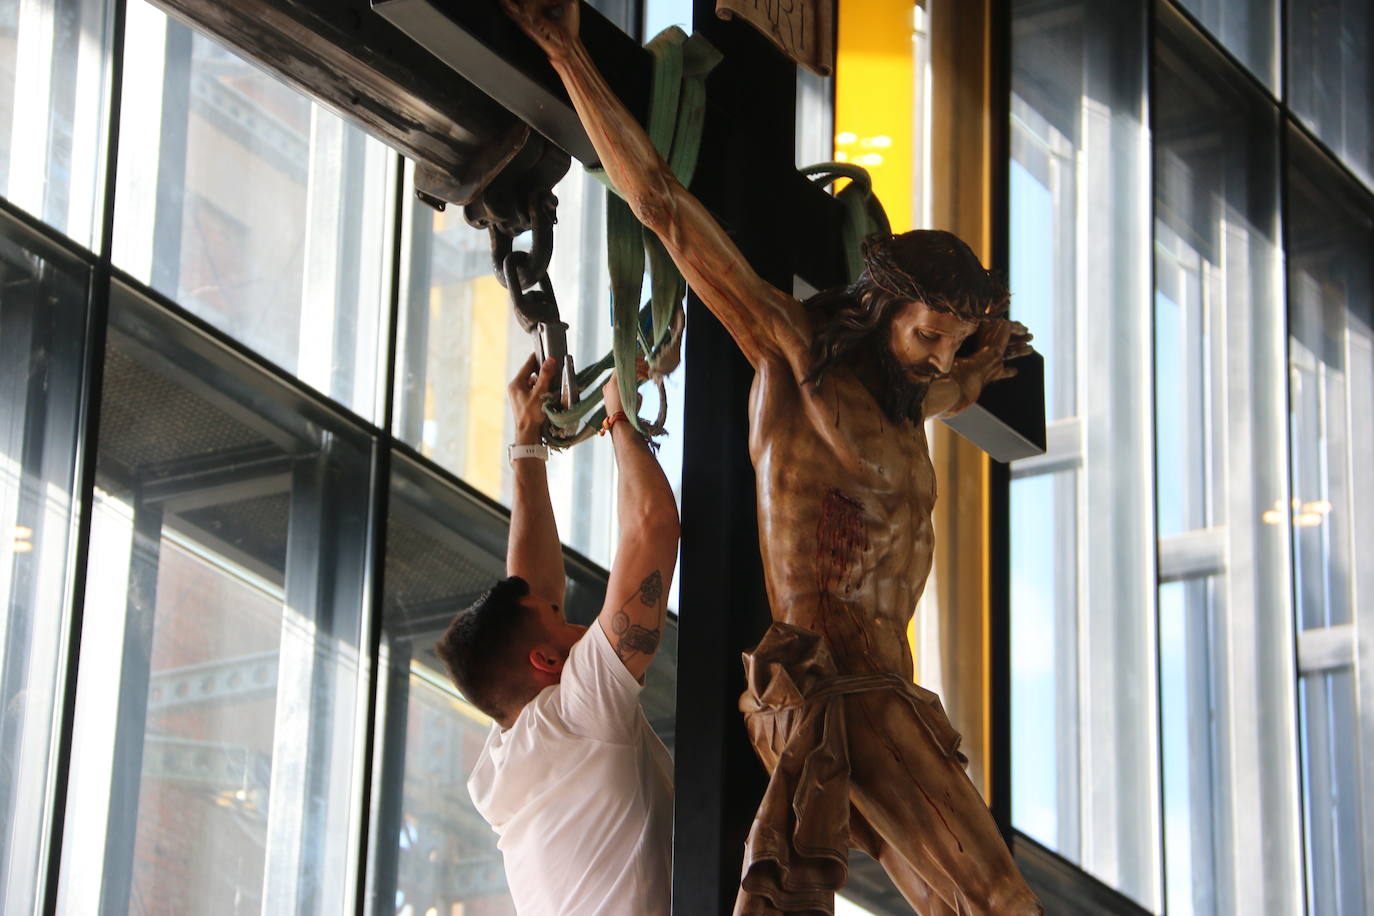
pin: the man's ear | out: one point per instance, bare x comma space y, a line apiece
543, 659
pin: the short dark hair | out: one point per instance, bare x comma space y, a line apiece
926, 265
485, 649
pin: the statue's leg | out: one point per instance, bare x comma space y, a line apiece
923, 898
935, 830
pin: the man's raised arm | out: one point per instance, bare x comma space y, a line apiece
533, 551
761, 318
637, 593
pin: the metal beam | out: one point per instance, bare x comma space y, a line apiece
221, 477
484, 47
237, 678
358, 65
478, 42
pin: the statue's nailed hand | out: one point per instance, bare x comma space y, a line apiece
995, 343
552, 24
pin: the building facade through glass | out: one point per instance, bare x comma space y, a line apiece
1191, 695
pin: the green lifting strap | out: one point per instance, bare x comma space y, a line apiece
676, 115
863, 212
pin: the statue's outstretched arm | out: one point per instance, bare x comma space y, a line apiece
762, 319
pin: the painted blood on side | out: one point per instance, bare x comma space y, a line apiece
841, 540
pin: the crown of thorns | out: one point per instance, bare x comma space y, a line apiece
883, 256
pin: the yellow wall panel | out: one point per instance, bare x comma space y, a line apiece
874, 98
487, 386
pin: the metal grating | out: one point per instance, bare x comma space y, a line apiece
148, 419
258, 526
421, 571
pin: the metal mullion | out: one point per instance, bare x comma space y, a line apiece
1360, 500
407, 423
97, 315
309, 592
1208, 827
1283, 57
390, 745
174, 128
140, 607
394, 294
1282, 288
343, 371
1190, 554
373, 613
1294, 599
998, 544
1152, 392
1325, 649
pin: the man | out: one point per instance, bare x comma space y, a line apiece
572, 778
858, 754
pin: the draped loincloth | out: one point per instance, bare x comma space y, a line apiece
797, 852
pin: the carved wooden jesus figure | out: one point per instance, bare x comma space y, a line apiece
859, 755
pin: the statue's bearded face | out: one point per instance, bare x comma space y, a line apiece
921, 344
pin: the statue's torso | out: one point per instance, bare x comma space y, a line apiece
844, 503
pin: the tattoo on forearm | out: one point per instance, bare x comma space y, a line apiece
633, 637
651, 589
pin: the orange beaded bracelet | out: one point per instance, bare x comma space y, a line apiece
608, 423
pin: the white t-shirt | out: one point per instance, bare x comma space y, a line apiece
580, 791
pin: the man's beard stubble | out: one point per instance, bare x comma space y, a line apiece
902, 398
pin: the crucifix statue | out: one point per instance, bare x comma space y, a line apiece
858, 754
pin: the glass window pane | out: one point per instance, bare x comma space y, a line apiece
1331, 360
1331, 76
1085, 779
660, 14
430, 847
1222, 474
1192, 846
1044, 661
460, 346
1333, 799
43, 299
219, 670
254, 208
54, 82
1043, 224
1249, 29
